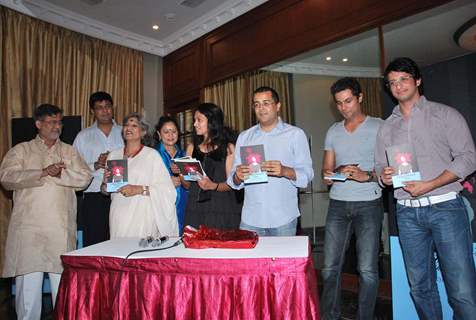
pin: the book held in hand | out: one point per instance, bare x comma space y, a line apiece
118, 177
338, 175
402, 159
190, 168
253, 156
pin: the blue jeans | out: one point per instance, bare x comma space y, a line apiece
444, 228
343, 218
289, 229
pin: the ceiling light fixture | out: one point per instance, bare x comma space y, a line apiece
465, 36
345, 60
328, 58
155, 27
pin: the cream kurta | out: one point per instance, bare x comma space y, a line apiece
141, 216
43, 221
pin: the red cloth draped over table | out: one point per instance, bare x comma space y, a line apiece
95, 287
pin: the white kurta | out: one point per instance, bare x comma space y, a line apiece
43, 221
139, 215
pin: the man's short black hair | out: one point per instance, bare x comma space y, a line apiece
407, 65
44, 110
98, 97
274, 94
346, 83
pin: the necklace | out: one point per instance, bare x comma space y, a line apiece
133, 154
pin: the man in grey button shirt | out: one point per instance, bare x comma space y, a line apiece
437, 221
355, 205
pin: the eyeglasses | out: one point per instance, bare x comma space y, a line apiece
265, 103
105, 107
399, 81
53, 123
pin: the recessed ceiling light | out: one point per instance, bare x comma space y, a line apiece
345, 60
155, 27
328, 58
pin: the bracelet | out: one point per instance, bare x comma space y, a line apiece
145, 189
218, 184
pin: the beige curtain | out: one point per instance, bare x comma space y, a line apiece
44, 63
235, 96
372, 92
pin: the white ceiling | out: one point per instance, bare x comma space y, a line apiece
129, 22
427, 38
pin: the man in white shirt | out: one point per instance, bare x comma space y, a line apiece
94, 144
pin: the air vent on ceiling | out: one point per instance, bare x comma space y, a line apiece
92, 2
191, 3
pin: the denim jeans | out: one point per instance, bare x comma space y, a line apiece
444, 228
289, 229
343, 218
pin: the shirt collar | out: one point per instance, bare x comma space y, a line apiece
279, 127
95, 124
41, 143
418, 107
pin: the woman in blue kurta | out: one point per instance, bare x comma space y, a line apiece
167, 135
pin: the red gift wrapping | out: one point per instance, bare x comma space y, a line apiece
206, 237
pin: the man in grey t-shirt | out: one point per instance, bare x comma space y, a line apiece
355, 204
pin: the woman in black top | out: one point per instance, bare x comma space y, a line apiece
211, 201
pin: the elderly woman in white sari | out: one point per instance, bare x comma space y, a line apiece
146, 205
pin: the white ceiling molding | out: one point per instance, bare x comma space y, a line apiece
325, 70
206, 23
65, 18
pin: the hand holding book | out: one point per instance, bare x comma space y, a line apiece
254, 168
115, 174
353, 172
402, 158
343, 172
189, 167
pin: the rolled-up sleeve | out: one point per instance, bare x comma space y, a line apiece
302, 160
461, 145
236, 163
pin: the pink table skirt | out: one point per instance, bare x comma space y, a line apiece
187, 288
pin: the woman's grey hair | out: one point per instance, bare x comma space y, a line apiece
146, 139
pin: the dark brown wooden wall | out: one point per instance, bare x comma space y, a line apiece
274, 31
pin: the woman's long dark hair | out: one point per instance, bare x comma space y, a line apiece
218, 134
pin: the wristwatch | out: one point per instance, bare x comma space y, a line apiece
369, 173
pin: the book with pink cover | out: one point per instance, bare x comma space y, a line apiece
253, 156
118, 177
190, 168
402, 159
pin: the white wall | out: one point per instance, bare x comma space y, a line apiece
153, 88
314, 112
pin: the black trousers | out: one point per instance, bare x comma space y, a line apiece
95, 217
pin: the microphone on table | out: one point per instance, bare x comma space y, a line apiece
153, 242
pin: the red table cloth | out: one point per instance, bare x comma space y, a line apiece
105, 287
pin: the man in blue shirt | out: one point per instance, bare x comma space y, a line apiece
94, 144
271, 209
355, 204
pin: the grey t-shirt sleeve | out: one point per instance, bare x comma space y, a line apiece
328, 142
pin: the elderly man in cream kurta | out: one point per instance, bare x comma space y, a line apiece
44, 174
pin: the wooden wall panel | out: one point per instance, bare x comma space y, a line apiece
274, 31
182, 75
